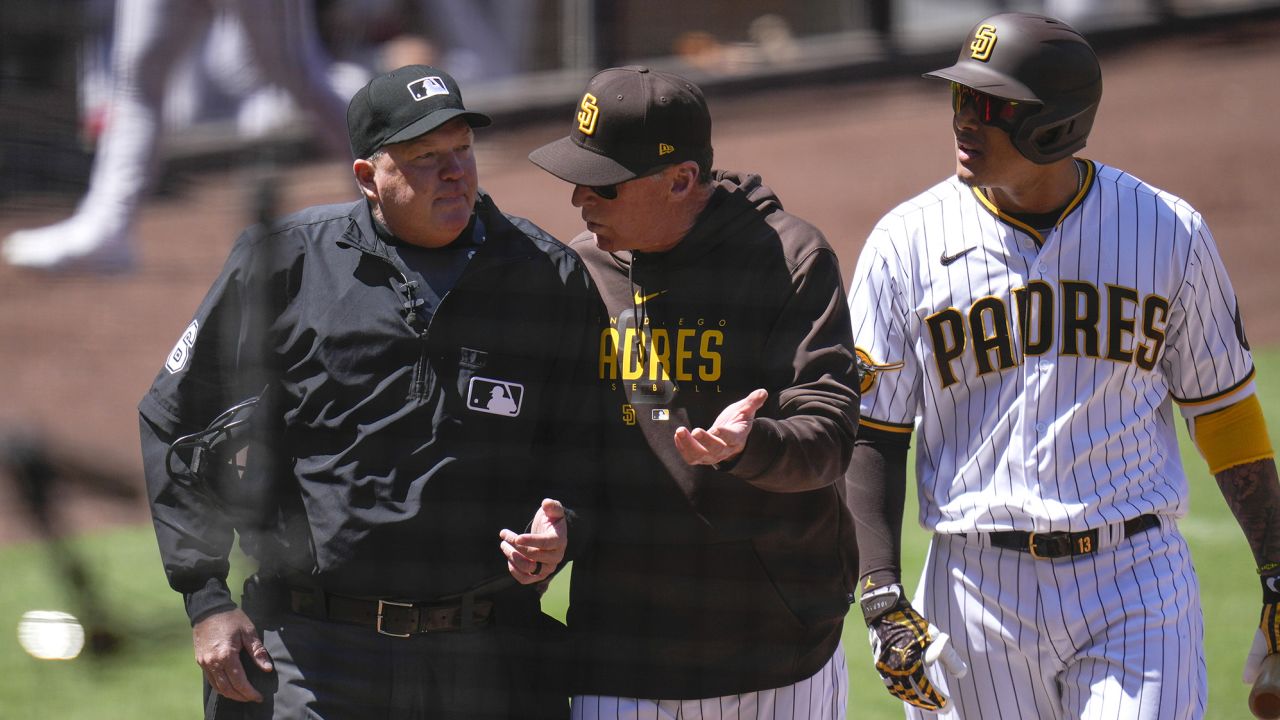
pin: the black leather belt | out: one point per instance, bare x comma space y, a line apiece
391, 617
1064, 544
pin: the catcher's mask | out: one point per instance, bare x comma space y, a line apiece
214, 461
1046, 73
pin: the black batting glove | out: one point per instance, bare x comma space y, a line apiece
1266, 641
903, 643
1269, 623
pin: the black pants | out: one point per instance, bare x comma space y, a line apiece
337, 671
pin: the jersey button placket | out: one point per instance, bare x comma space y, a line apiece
1034, 383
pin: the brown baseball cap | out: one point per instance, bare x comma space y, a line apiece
403, 104
630, 120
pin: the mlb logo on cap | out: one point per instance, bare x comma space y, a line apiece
423, 88
381, 114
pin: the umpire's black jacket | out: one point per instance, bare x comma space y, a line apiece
389, 473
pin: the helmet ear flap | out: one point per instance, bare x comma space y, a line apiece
1045, 142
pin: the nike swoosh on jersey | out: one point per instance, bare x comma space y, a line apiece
642, 299
946, 259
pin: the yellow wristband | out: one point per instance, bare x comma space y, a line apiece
1234, 435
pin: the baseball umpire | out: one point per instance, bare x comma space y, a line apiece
1033, 320
717, 585
420, 374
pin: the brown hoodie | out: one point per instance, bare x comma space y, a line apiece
712, 581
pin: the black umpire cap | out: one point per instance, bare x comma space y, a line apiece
402, 105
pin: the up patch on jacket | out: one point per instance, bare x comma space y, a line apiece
181, 351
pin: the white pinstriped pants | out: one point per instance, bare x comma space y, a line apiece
1115, 634
820, 697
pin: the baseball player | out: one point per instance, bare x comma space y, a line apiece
1033, 320
150, 36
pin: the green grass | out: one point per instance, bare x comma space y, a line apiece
153, 674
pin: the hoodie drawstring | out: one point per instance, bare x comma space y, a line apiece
638, 311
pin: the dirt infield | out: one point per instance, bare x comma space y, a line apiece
1193, 114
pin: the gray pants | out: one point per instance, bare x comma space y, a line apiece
335, 671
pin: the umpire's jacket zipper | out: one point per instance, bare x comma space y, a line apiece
418, 389
423, 384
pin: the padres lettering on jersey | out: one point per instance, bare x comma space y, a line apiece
653, 361
1038, 371
1118, 324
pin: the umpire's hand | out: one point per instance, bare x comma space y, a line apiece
903, 644
218, 640
533, 556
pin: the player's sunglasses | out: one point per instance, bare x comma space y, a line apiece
991, 110
610, 192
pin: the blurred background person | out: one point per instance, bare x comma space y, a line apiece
150, 37
480, 39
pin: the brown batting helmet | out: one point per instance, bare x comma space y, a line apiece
1037, 60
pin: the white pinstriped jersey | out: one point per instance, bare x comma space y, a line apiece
1041, 378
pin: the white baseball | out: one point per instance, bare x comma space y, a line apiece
50, 635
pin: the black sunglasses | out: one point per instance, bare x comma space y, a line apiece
610, 192
991, 110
